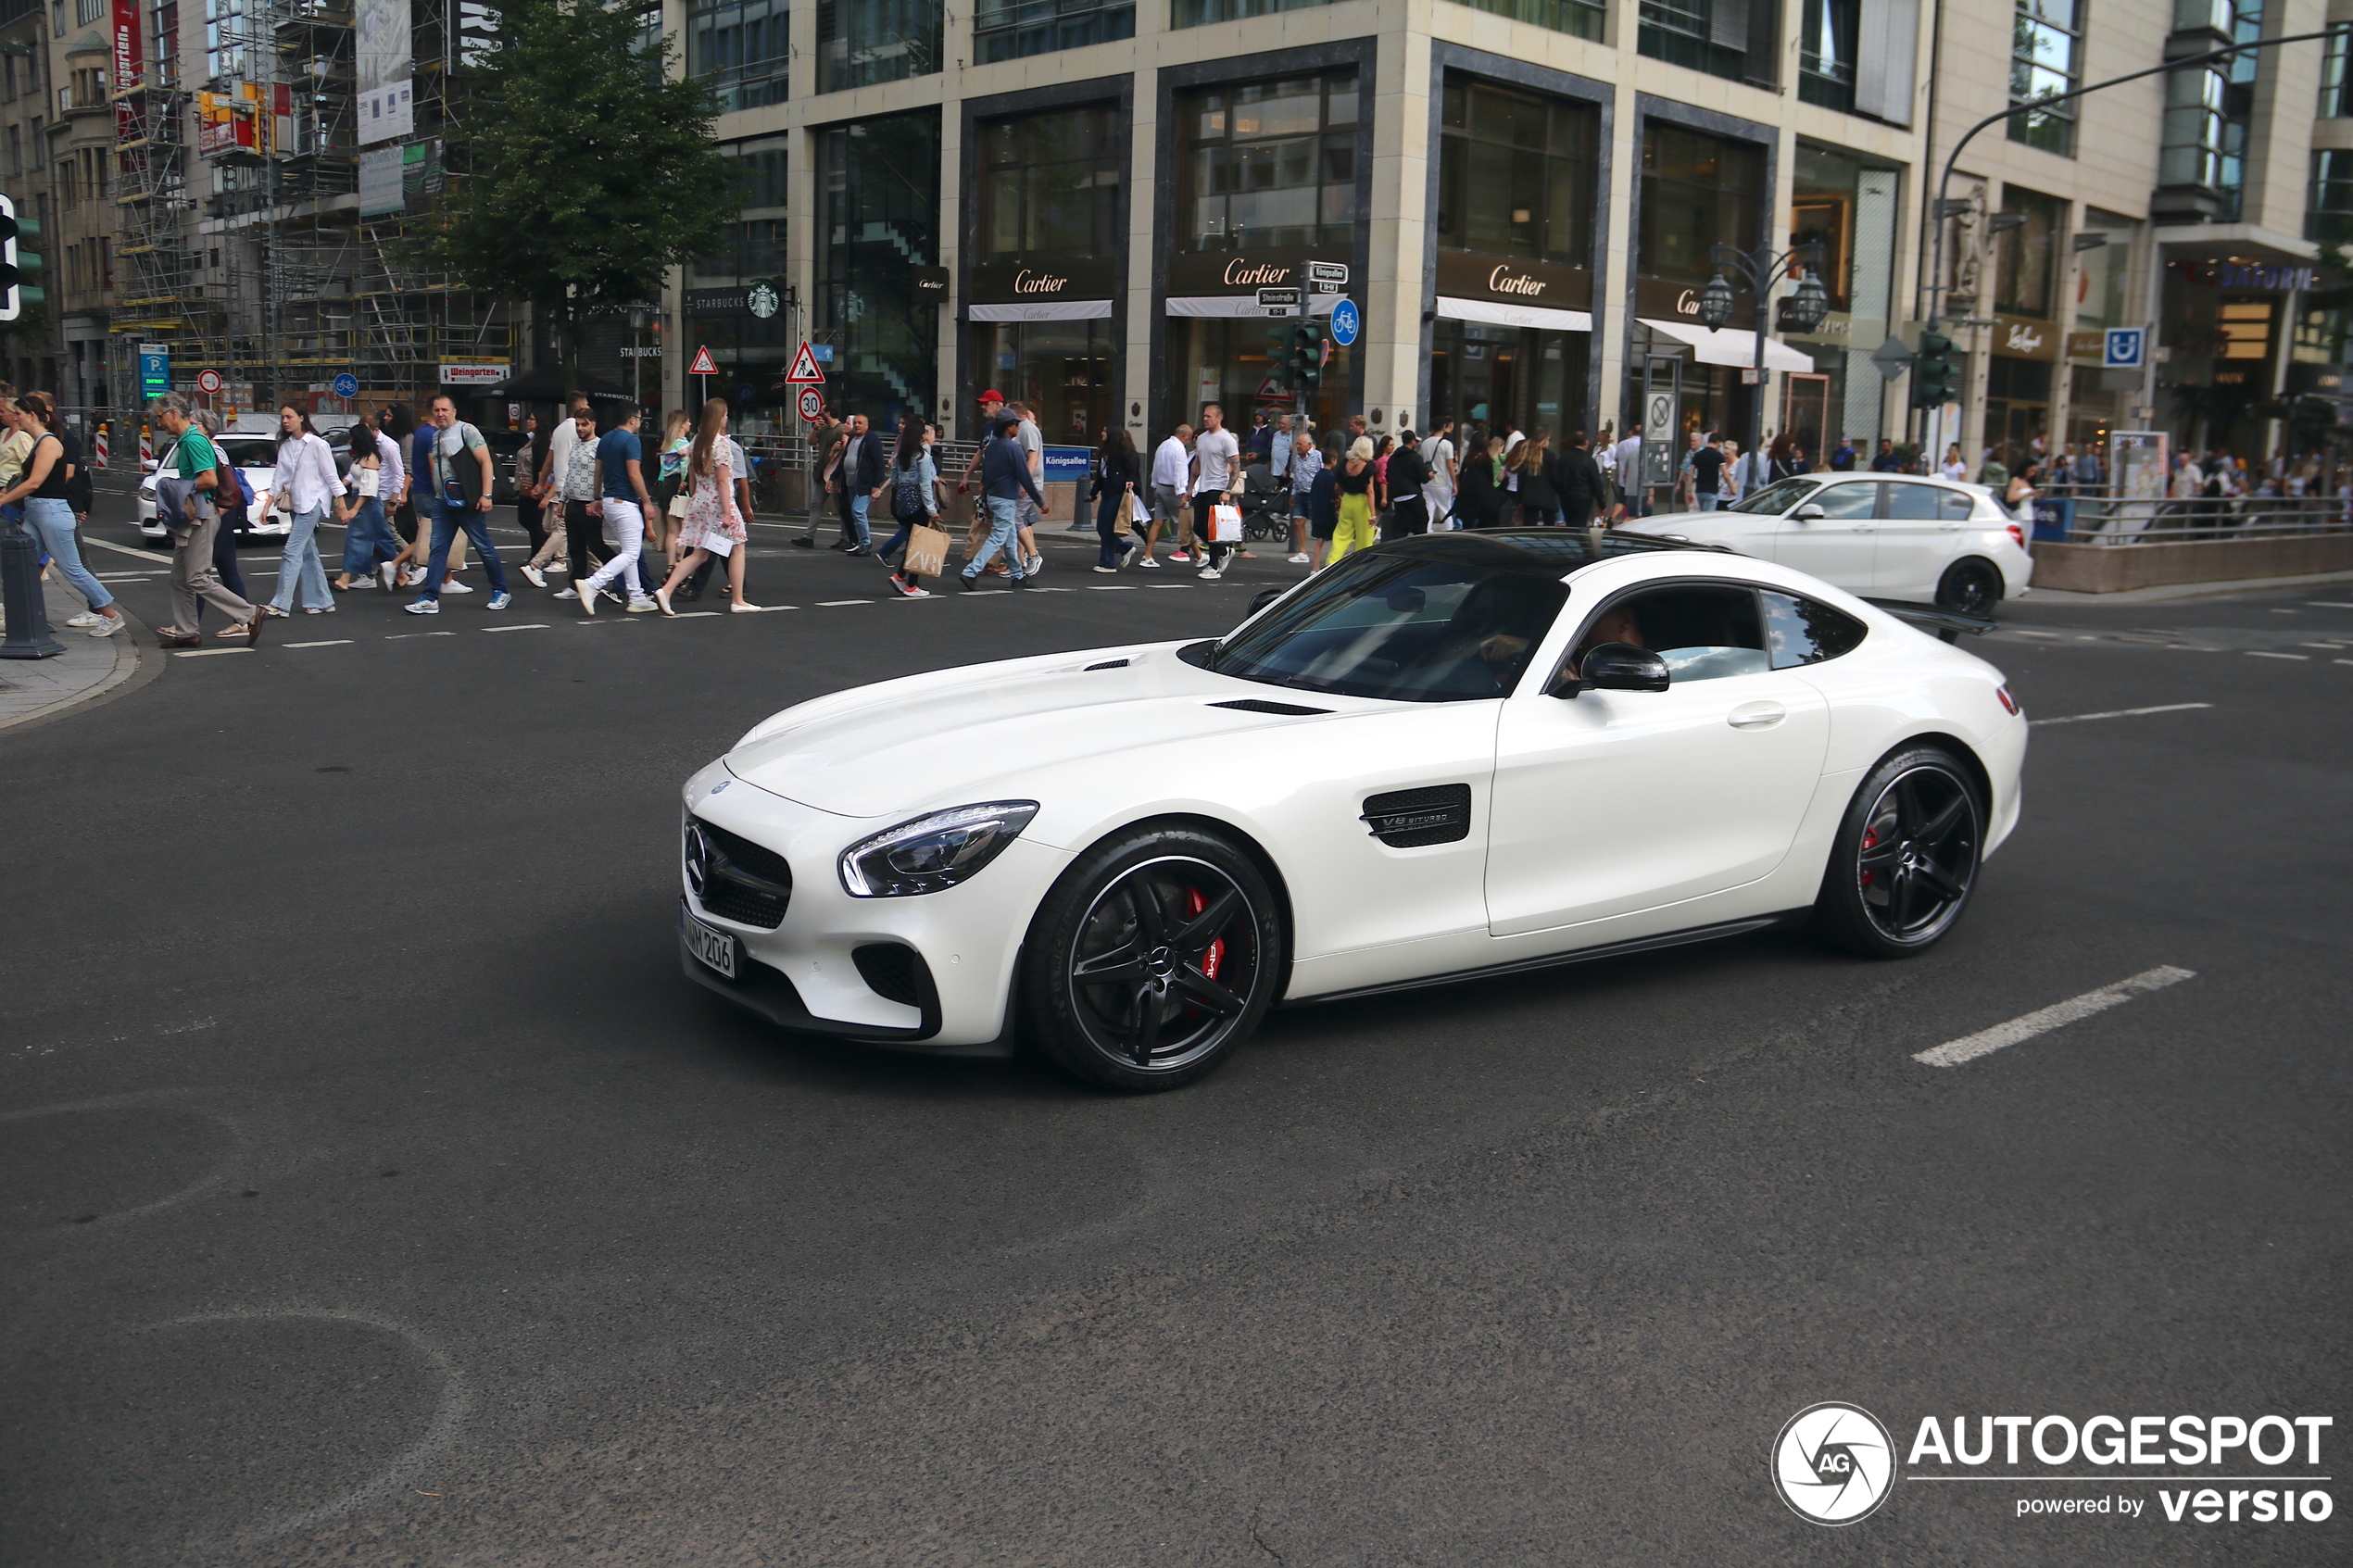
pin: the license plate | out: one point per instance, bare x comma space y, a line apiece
713, 946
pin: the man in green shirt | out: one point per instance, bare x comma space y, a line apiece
190, 519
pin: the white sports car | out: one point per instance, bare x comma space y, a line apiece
1887, 534
1453, 755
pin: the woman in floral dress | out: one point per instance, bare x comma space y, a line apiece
714, 523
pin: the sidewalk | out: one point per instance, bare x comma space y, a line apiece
2230, 588
35, 688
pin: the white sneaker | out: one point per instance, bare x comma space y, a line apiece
451, 585
413, 576
643, 605
104, 625
1031, 565
1299, 559
1148, 564
533, 576
568, 594
1209, 574
559, 566
87, 617
1107, 571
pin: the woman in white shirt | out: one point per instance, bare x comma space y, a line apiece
1954, 467
307, 478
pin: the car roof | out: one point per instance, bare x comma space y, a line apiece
1552, 552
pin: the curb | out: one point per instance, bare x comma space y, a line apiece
133, 668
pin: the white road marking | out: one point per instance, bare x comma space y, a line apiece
1164, 584
1969, 1048
2014, 631
124, 576
2259, 653
829, 604
406, 637
695, 614
526, 626
2344, 661
1118, 587
330, 642
2285, 612
2122, 713
204, 653
2325, 648
126, 550
2317, 604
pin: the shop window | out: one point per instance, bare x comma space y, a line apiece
1575, 17
1197, 13
1847, 206
860, 42
1485, 374
2028, 254
1698, 192
2045, 58
879, 218
1269, 164
1707, 35
1516, 174
1050, 184
1010, 29
2102, 299
742, 47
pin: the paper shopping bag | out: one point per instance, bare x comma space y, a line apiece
1225, 525
927, 552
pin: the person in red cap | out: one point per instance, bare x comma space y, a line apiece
992, 403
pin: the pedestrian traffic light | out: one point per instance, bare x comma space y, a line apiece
1306, 364
1934, 381
17, 266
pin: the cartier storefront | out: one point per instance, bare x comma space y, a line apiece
1511, 342
1224, 349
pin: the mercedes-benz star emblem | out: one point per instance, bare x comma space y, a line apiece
698, 859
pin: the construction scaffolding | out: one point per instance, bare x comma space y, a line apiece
251, 251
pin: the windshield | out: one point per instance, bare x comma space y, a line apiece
1776, 497
1411, 629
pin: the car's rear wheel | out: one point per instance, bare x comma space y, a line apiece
1969, 587
1153, 959
1904, 861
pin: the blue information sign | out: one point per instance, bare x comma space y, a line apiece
1345, 322
347, 385
155, 371
1066, 465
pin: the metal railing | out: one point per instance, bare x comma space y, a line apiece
2097, 517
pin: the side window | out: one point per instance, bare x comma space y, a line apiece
1848, 501
1704, 632
1806, 630
1957, 505
1912, 503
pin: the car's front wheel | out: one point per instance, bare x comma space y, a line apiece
1904, 861
1153, 959
1969, 587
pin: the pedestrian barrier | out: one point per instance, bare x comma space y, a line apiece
99, 450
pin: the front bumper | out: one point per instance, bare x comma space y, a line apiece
805, 974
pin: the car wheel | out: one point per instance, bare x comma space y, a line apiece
1153, 959
1904, 861
1969, 587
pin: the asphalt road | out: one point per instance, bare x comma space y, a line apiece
375, 1190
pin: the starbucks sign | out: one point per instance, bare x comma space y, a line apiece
760, 300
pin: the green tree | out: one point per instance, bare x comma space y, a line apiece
587, 171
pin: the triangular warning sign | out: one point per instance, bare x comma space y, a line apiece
804, 371
703, 365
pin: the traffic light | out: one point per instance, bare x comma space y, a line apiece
17, 266
1935, 382
1306, 363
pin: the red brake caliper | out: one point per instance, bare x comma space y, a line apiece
1195, 904
1870, 840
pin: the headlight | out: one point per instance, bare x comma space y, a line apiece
933, 852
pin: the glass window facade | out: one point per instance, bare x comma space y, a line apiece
1575, 17
1516, 174
1198, 13
742, 46
2335, 101
2328, 203
2046, 43
1698, 192
1008, 30
754, 353
2102, 277
879, 218
1484, 374
1269, 164
1691, 33
1050, 184
2027, 257
860, 42
1826, 53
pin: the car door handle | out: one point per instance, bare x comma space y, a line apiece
1756, 715
1867, 527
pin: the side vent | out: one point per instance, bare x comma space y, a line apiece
1107, 664
1407, 818
1260, 705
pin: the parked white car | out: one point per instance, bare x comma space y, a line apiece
1449, 755
256, 459
1889, 537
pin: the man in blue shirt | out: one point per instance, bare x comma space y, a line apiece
1886, 461
1004, 479
624, 505
1842, 461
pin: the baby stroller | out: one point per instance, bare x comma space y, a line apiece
1266, 504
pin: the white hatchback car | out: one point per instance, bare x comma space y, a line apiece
256, 459
1889, 537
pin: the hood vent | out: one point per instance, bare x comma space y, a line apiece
1107, 664
1260, 705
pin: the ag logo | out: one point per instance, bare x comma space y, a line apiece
1833, 1464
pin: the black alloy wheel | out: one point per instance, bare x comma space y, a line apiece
1153, 959
1906, 859
1969, 587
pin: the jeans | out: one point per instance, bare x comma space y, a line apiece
1003, 530
1708, 501
853, 511
629, 527
368, 541
52, 523
447, 520
300, 565
1107, 514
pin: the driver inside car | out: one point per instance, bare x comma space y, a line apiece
1617, 624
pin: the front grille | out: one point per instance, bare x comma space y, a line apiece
741, 881
889, 971
1407, 819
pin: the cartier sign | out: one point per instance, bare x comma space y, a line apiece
1244, 271
1028, 281
1464, 274
1659, 300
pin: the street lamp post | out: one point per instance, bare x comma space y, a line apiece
1761, 269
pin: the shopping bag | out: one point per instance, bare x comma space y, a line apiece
927, 552
718, 543
1225, 525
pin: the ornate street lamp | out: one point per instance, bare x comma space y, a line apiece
1716, 302
1761, 269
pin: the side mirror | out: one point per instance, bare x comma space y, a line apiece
1266, 596
1622, 666
1810, 512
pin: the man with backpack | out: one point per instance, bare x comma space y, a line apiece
191, 521
459, 497
1408, 512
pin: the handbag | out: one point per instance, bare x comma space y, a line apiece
1225, 524
927, 552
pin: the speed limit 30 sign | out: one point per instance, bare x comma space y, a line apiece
812, 404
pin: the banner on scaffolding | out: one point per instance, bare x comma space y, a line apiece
381, 69
380, 185
126, 68
253, 118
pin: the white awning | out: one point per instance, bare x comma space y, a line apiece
1504, 315
1242, 303
1728, 345
1042, 310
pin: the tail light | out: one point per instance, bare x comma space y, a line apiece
2017, 533
2009, 703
